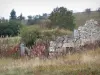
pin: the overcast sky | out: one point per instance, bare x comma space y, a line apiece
33, 7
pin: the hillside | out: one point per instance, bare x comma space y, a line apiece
82, 17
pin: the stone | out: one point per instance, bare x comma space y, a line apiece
90, 32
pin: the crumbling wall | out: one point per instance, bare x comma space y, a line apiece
86, 34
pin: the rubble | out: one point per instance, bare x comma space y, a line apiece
89, 32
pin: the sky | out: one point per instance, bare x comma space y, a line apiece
35, 7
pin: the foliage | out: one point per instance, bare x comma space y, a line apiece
99, 13
98, 10
7, 44
10, 28
82, 17
36, 19
68, 65
62, 18
21, 17
30, 20
88, 11
2, 20
13, 15
45, 23
31, 33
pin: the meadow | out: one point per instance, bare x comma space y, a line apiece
84, 63
8, 43
82, 17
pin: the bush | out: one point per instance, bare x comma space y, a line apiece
10, 28
29, 35
63, 18
32, 33
7, 44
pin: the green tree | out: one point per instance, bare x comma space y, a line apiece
88, 11
30, 20
3, 20
44, 23
21, 17
63, 18
98, 11
13, 15
45, 15
10, 28
15, 26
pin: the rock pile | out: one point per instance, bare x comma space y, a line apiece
89, 32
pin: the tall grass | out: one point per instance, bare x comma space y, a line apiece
8, 43
82, 17
86, 63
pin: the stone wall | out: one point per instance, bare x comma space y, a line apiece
90, 32
87, 33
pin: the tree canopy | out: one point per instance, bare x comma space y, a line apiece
13, 15
88, 11
10, 27
62, 17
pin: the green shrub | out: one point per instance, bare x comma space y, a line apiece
63, 18
10, 28
29, 35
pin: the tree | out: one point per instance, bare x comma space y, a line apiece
36, 19
15, 26
88, 11
62, 17
3, 20
44, 23
21, 17
45, 16
30, 20
10, 28
13, 15
98, 10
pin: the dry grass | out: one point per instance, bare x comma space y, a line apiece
8, 43
86, 63
81, 18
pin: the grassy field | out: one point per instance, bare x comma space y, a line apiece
9, 40
86, 63
82, 17
8, 43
